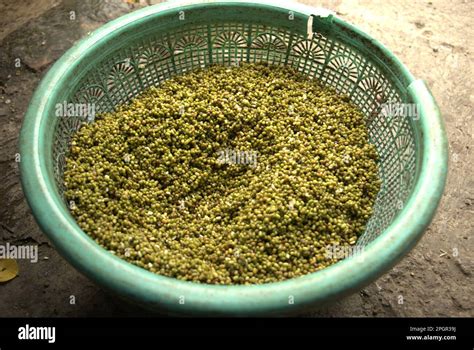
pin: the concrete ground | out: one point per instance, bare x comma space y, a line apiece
435, 40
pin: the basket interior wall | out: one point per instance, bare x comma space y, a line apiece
138, 64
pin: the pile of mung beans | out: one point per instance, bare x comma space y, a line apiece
226, 175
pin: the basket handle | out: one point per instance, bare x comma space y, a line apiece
421, 95
435, 143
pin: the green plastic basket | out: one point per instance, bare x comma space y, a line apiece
144, 48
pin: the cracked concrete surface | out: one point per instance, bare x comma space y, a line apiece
433, 38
